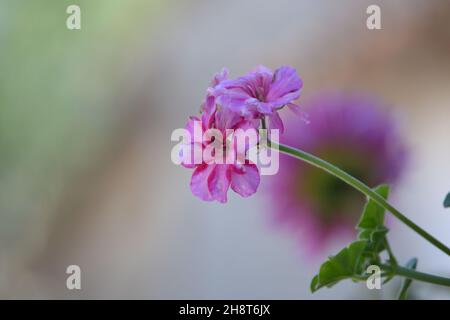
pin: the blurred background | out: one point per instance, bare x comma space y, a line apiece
86, 118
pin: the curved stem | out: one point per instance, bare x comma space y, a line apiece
416, 275
358, 185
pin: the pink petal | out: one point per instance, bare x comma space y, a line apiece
262, 69
219, 77
245, 133
294, 108
191, 123
219, 182
245, 179
285, 86
208, 117
199, 182
275, 122
226, 119
209, 105
265, 108
189, 160
299, 112
234, 99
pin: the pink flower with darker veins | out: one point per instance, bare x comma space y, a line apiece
261, 93
210, 181
238, 104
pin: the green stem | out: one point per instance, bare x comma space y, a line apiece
389, 250
416, 275
358, 185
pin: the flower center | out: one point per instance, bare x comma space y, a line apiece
260, 94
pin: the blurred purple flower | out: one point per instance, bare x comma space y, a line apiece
352, 132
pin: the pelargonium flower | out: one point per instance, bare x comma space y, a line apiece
260, 93
238, 104
208, 107
350, 131
210, 180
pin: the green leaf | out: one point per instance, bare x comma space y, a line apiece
344, 265
447, 201
371, 224
406, 283
375, 240
352, 261
373, 214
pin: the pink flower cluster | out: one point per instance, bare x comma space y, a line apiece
240, 103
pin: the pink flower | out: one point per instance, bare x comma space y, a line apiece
211, 181
209, 105
238, 104
260, 93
